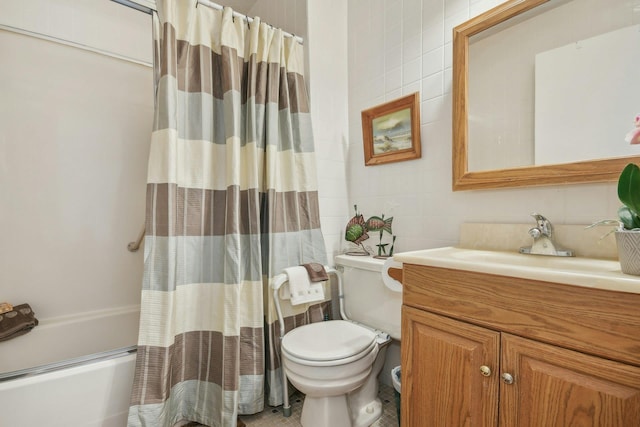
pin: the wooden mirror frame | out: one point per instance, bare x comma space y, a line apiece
526, 176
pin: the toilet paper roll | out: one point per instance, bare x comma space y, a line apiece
389, 281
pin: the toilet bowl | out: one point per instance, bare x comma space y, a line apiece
326, 361
336, 363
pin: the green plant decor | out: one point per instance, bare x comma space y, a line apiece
629, 195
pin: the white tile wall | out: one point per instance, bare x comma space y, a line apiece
327, 48
416, 54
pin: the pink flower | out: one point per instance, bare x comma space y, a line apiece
633, 137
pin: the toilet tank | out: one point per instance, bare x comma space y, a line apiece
366, 298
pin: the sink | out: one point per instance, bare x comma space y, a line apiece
588, 272
535, 261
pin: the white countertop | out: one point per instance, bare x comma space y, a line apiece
586, 272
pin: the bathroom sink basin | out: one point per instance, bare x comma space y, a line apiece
588, 272
536, 261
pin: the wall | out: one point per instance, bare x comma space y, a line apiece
398, 47
327, 50
290, 15
74, 138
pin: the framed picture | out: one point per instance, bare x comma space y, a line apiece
391, 131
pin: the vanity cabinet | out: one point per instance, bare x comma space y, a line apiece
487, 350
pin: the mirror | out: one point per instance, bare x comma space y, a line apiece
520, 116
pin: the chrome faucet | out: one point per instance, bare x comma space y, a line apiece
543, 243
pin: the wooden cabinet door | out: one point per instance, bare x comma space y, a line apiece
553, 386
442, 382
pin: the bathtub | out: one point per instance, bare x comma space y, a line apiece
70, 384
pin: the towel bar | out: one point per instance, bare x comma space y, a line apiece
134, 246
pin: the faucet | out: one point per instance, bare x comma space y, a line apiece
543, 243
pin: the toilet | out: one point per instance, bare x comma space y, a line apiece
336, 363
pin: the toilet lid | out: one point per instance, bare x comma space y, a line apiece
330, 340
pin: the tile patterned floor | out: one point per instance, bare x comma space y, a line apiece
272, 417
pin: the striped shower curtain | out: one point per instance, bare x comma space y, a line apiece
231, 200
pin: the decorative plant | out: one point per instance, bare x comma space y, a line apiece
629, 214
629, 195
628, 190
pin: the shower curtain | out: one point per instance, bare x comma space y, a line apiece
231, 200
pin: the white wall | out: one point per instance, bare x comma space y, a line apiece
74, 138
100, 24
290, 15
401, 46
327, 50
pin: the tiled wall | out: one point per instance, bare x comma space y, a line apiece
396, 47
327, 50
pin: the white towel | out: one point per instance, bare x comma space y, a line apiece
301, 289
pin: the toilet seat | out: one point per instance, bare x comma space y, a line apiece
332, 342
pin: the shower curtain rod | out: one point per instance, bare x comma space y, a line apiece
145, 7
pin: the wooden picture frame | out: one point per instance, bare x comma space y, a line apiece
391, 131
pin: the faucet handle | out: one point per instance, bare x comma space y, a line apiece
543, 243
544, 225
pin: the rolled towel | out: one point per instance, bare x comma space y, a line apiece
316, 272
17, 322
301, 289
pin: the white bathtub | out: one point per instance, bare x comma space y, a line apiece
82, 380
92, 395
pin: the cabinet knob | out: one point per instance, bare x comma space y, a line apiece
507, 378
485, 370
